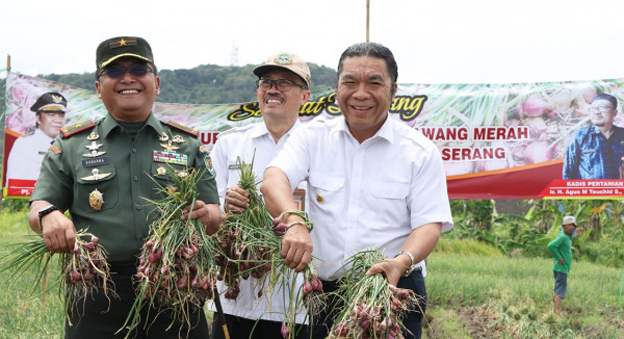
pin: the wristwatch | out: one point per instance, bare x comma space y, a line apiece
412, 266
45, 211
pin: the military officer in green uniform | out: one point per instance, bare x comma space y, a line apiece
101, 172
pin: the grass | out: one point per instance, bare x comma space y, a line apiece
512, 297
474, 292
22, 313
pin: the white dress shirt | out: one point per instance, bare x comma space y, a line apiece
25, 159
244, 142
368, 195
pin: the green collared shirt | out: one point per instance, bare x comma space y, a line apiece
106, 159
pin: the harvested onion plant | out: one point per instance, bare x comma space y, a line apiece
176, 271
250, 245
246, 240
310, 295
372, 307
83, 271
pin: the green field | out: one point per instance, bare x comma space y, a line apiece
484, 295
476, 296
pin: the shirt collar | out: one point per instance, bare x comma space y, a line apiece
39, 134
109, 123
385, 131
595, 130
260, 129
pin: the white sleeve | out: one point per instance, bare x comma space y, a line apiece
218, 155
294, 158
428, 197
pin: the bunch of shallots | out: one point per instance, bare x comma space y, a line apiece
372, 307
310, 296
250, 244
84, 270
177, 270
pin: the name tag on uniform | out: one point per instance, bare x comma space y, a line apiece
95, 162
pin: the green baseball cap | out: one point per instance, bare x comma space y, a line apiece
128, 46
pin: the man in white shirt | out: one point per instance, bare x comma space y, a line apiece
283, 87
24, 161
374, 182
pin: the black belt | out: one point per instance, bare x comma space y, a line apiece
122, 269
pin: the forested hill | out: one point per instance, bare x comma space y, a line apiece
205, 84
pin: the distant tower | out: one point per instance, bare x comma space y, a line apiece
234, 56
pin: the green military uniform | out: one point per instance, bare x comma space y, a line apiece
98, 162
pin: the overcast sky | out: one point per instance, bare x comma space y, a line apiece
439, 41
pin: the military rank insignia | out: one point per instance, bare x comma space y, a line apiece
169, 155
183, 127
73, 129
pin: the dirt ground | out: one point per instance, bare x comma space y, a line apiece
475, 324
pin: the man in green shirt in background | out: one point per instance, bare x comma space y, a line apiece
561, 250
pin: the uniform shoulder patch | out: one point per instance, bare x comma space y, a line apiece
183, 127
55, 149
75, 128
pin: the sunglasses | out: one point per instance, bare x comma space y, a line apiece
119, 71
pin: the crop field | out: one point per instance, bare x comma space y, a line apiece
474, 292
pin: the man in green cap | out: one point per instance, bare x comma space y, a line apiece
102, 173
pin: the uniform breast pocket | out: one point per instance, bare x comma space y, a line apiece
162, 175
97, 188
326, 194
389, 198
588, 154
389, 190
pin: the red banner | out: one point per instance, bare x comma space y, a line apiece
498, 141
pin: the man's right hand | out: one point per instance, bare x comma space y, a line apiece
236, 200
560, 261
297, 247
58, 232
